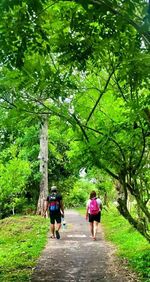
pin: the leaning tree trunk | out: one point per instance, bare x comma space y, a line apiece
43, 156
138, 224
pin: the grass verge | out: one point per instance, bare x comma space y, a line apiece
131, 246
22, 239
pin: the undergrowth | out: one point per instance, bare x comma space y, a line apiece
131, 245
22, 239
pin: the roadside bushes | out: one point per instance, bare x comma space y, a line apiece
13, 179
79, 194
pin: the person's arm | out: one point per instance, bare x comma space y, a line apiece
87, 210
100, 204
86, 215
45, 207
62, 207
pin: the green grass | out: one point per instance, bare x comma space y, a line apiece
131, 246
22, 239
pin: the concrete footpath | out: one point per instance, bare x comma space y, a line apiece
76, 257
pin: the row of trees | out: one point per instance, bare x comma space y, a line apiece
84, 65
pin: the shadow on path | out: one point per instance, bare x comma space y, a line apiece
76, 257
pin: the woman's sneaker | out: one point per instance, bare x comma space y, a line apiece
57, 234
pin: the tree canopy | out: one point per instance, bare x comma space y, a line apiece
85, 64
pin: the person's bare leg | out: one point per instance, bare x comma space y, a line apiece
57, 230
95, 229
52, 230
91, 229
58, 226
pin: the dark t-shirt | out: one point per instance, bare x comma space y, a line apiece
54, 202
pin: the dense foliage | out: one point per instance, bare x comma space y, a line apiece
85, 64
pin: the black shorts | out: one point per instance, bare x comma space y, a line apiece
96, 217
55, 216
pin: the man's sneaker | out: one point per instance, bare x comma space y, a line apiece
57, 234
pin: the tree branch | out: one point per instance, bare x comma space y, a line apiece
102, 166
101, 94
81, 127
110, 138
108, 4
142, 153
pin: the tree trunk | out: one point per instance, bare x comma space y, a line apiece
43, 156
138, 224
106, 199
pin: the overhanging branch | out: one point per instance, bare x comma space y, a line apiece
100, 96
81, 127
110, 138
109, 7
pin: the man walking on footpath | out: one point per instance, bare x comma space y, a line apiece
56, 210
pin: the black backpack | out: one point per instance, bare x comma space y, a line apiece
54, 202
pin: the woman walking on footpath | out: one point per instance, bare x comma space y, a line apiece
93, 213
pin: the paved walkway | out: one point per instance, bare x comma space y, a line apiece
76, 257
